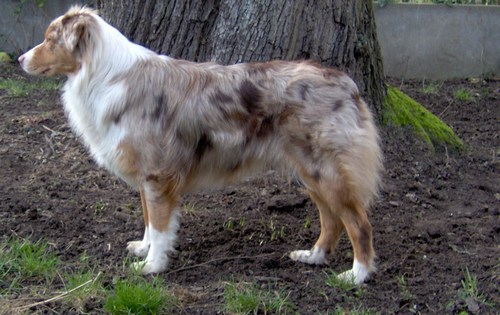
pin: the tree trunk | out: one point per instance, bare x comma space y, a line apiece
336, 33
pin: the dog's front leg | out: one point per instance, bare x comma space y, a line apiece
141, 248
163, 223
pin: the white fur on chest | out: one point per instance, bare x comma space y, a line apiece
88, 107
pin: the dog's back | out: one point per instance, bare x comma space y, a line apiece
232, 120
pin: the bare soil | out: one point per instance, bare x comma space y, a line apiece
437, 215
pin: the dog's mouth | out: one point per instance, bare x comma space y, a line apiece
35, 71
45, 72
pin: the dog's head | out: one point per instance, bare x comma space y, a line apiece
66, 42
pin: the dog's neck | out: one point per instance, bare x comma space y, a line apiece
106, 56
88, 94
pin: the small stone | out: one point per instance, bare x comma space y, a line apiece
472, 305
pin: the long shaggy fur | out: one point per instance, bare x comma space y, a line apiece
170, 126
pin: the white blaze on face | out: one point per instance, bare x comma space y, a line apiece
25, 60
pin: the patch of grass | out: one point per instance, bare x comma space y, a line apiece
77, 279
469, 288
242, 222
229, 225
137, 295
469, 285
307, 223
20, 88
401, 110
403, 288
463, 95
83, 286
23, 259
247, 298
349, 291
270, 231
29, 278
406, 295
100, 207
469, 297
189, 209
432, 87
275, 231
27, 271
16, 88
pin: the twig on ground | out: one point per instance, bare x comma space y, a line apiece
51, 130
440, 116
218, 259
58, 297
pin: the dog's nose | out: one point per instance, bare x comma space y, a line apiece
20, 59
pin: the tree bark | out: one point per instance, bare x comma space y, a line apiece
335, 33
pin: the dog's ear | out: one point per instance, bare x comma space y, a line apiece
75, 29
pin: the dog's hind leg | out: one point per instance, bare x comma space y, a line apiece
141, 248
163, 223
331, 229
348, 197
359, 230
339, 208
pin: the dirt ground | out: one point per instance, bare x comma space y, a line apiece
437, 215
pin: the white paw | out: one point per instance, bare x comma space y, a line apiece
316, 256
159, 243
357, 274
138, 248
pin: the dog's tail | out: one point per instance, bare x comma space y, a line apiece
360, 164
336, 126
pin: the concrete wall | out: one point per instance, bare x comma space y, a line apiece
439, 41
22, 25
417, 41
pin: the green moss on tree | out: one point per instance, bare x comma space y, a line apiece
401, 110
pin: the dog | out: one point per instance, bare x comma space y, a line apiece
167, 127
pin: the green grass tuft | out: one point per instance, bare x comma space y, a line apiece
15, 88
469, 288
137, 295
470, 299
401, 110
403, 288
20, 88
83, 286
463, 95
246, 298
22, 259
87, 281
432, 87
30, 270
189, 209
